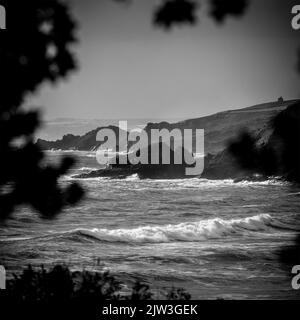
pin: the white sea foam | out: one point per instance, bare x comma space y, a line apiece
133, 177
88, 154
87, 169
197, 183
8, 239
188, 231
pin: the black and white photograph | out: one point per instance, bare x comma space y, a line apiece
149, 150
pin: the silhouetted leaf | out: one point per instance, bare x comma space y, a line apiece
174, 12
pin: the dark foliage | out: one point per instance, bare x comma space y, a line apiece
177, 12
254, 158
140, 291
61, 285
34, 49
287, 128
280, 155
178, 294
221, 9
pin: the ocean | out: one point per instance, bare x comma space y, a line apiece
216, 239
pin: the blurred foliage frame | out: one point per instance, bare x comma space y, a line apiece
35, 48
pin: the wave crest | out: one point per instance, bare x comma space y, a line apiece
188, 231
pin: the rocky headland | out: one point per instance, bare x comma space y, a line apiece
220, 130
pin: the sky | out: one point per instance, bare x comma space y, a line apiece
130, 69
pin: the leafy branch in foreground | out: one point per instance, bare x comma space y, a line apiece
61, 285
30, 55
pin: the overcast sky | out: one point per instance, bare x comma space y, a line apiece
130, 69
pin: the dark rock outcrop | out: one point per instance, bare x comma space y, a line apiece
146, 171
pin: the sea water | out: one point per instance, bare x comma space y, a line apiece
217, 239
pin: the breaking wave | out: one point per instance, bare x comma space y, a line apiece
188, 231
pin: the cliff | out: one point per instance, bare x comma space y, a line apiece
270, 151
220, 129
225, 126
